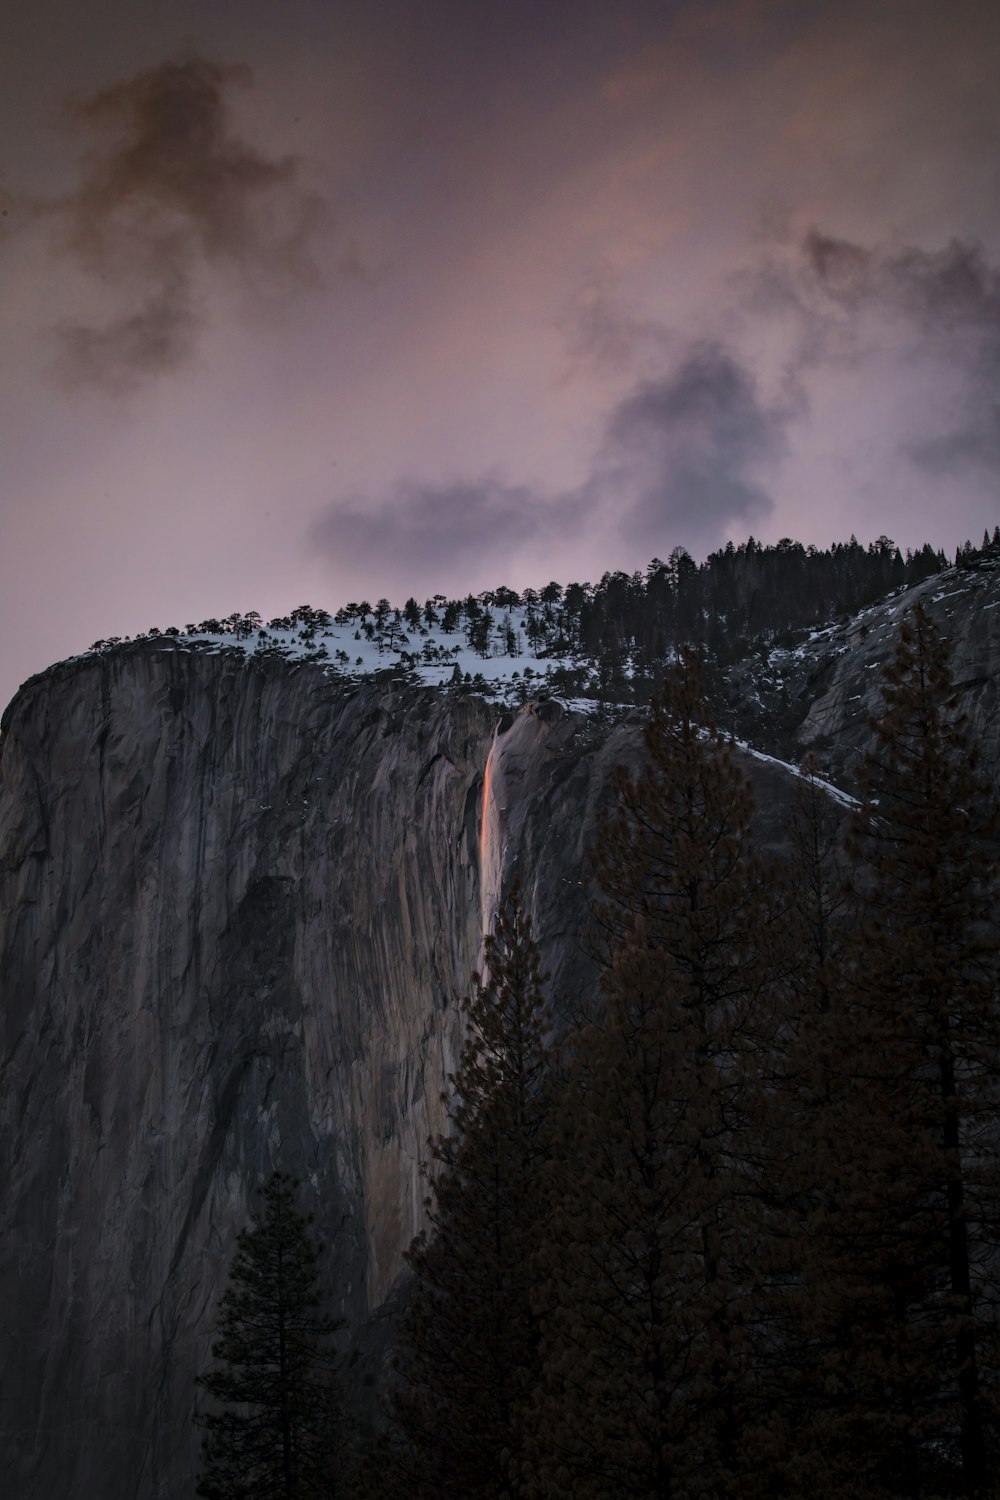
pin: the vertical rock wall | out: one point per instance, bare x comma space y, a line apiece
238, 908
239, 905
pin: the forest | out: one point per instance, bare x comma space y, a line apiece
730, 1230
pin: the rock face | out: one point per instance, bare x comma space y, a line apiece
239, 905
239, 908
819, 694
965, 607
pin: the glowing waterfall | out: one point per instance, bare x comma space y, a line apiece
490, 844
487, 773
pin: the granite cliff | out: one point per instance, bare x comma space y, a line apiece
239, 903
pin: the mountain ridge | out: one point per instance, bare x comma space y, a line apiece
239, 901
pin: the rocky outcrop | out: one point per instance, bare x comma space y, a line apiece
818, 693
965, 606
240, 902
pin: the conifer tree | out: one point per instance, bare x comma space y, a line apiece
467, 1346
817, 904
905, 1294
804, 1096
276, 1436
929, 982
648, 1276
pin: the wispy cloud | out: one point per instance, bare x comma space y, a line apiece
168, 191
603, 334
410, 531
849, 302
685, 456
681, 459
948, 290
949, 300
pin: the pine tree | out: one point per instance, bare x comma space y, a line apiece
905, 1289
930, 981
803, 1146
648, 1276
277, 1436
467, 1346
817, 904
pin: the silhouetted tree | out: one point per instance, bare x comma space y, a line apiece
928, 1004
902, 1278
278, 1433
649, 1269
801, 1147
467, 1349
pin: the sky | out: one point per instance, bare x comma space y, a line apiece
338, 299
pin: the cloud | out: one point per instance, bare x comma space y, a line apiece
603, 335
841, 268
153, 339
419, 526
947, 303
974, 444
922, 323
168, 193
948, 291
680, 460
685, 455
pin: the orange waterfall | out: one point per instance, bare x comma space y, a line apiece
490, 846
483, 810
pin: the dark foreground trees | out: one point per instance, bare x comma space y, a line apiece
771, 1258
888, 1083
278, 1434
466, 1357
911, 1195
744, 1241
649, 1276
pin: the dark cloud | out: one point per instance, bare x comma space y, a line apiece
680, 461
948, 291
420, 526
841, 268
969, 445
937, 311
169, 191
948, 303
157, 337
685, 454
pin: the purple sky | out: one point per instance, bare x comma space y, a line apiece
319, 301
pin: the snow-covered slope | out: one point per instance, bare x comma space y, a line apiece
507, 652
813, 690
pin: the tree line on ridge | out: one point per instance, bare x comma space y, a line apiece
608, 640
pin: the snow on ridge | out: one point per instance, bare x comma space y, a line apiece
354, 650
520, 649
835, 793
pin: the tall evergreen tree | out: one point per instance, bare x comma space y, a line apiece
467, 1348
805, 1098
276, 1436
817, 906
648, 1276
930, 982
906, 1285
